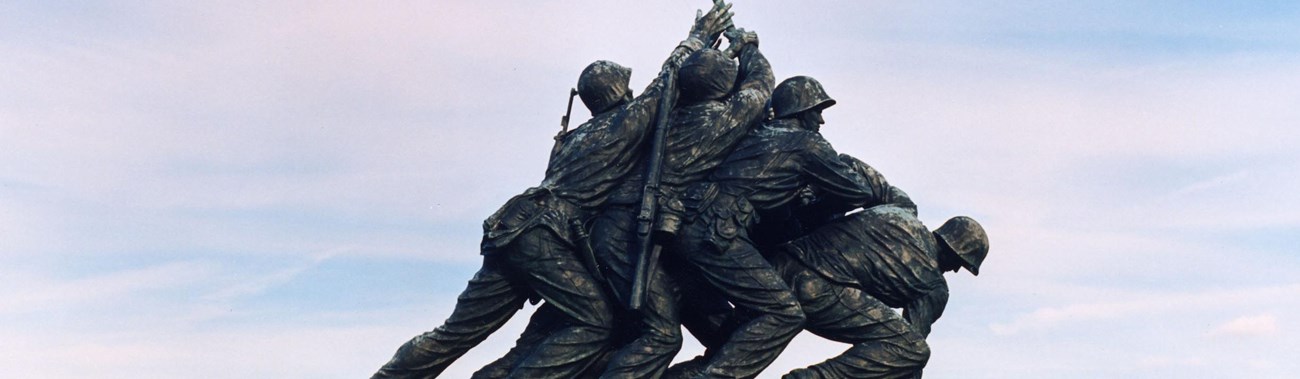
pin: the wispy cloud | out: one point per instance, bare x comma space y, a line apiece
1248, 326
1163, 361
1152, 303
29, 293
247, 286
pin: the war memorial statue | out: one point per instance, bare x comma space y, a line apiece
712, 181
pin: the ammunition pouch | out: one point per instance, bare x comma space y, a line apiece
698, 197
729, 217
536, 207
668, 221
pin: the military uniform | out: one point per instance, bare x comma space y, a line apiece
849, 274
700, 135
764, 174
530, 250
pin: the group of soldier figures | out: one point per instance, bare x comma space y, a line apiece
763, 230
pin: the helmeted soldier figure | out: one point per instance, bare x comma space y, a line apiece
719, 99
771, 172
849, 274
529, 245
765, 174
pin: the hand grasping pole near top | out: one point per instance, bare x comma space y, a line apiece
707, 28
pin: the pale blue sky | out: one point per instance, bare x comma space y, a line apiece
294, 189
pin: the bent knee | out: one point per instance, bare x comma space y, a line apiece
666, 337
910, 354
922, 353
589, 317
791, 316
601, 321
601, 327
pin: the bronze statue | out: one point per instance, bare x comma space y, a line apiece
528, 245
849, 274
849, 271
763, 175
710, 117
712, 181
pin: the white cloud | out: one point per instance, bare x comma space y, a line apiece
30, 293
1162, 361
304, 345
1159, 304
254, 285
1263, 325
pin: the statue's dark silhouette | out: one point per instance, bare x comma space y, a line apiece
710, 201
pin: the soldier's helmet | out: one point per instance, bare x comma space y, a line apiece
966, 237
798, 94
705, 75
603, 84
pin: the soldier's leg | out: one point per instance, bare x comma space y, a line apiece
706, 314
489, 300
731, 265
884, 346
544, 321
658, 332
553, 270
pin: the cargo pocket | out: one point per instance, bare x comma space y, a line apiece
725, 230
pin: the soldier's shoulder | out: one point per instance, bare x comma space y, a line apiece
890, 210
596, 122
757, 96
697, 112
715, 105
783, 129
897, 217
782, 136
811, 140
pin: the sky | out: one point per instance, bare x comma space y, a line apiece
293, 189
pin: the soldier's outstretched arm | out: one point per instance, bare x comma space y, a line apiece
842, 184
745, 106
706, 29
890, 194
755, 80
638, 114
708, 26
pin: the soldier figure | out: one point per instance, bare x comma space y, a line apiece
849, 274
719, 100
529, 246
766, 174
698, 189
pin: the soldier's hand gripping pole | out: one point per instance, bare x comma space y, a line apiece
647, 249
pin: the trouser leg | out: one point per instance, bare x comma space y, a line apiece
552, 270
708, 317
706, 314
739, 272
877, 359
659, 336
543, 322
489, 300
884, 346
